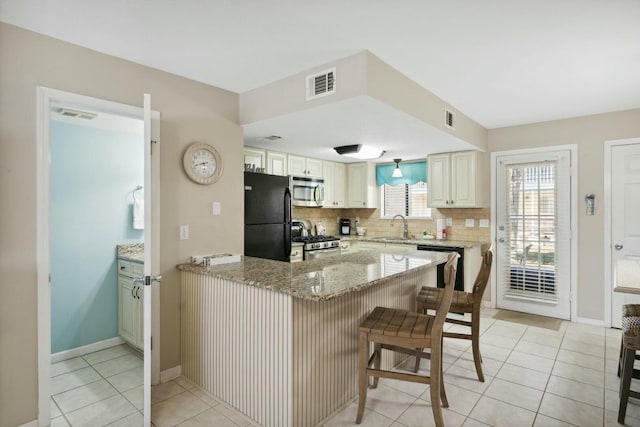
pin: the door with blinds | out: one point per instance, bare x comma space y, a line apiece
533, 230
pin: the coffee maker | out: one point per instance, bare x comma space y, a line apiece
345, 226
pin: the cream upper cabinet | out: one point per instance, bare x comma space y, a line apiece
254, 156
276, 163
456, 180
362, 190
334, 184
304, 166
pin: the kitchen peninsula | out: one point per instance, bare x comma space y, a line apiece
278, 340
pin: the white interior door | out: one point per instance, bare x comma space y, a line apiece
625, 226
533, 231
151, 252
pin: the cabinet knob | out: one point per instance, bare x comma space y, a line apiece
452, 202
446, 201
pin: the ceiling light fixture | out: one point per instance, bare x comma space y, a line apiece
359, 151
397, 172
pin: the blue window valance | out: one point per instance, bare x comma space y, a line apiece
412, 173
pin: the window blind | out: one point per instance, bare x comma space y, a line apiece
404, 199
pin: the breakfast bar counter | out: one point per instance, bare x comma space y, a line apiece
278, 341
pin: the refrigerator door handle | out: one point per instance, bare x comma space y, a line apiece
287, 223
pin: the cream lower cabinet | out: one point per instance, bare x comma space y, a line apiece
456, 180
130, 303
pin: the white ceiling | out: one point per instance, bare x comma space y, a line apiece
501, 62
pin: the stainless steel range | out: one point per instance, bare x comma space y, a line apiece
316, 246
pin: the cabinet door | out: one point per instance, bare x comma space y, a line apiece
276, 163
328, 171
357, 185
254, 156
296, 165
339, 185
127, 315
463, 179
314, 168
438, 181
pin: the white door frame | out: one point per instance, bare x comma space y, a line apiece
573, 148
606, 203
45, 97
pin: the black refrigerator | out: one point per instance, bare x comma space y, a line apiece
267, 216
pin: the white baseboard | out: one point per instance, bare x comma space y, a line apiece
588, 321
33, 423
170, 374
86, 349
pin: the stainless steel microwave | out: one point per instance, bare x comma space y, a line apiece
307, 191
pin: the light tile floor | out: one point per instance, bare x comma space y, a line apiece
97, 389
533, 377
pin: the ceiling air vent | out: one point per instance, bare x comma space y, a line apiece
321, 84
449, 119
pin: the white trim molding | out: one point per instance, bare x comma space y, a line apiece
170, 374
86, 349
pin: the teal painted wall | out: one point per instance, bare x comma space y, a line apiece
93, 172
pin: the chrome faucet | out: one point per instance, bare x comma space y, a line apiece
405, 230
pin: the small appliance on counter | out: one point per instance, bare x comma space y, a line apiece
345, 226
298, 229
321, 230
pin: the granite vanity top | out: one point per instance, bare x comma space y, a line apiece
323, 278
131, 252
432, 242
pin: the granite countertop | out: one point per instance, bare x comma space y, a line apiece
433, 242
323, 278
131, 252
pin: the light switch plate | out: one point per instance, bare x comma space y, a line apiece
449, 222
484, 223
184, 232
216, 208
469, 222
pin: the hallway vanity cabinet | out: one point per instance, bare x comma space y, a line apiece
130, 303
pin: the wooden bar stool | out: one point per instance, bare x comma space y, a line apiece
405, 331
462, 302
630, 344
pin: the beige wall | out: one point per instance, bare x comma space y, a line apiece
190, 112
589, 133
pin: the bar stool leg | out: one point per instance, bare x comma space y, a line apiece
620, 358
435, 382
377, 351
475, 344
628, 357
443, 393
363, 379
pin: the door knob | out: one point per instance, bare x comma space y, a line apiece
501, 240
618, 246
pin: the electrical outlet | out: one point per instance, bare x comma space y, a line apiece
216, 208
184, 232
469, 222
449, 222
484, 223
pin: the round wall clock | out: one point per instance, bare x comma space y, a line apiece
202, 163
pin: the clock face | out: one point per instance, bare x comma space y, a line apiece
202, 163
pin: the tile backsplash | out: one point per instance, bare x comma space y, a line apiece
377, 227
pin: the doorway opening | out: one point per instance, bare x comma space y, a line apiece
74, 187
